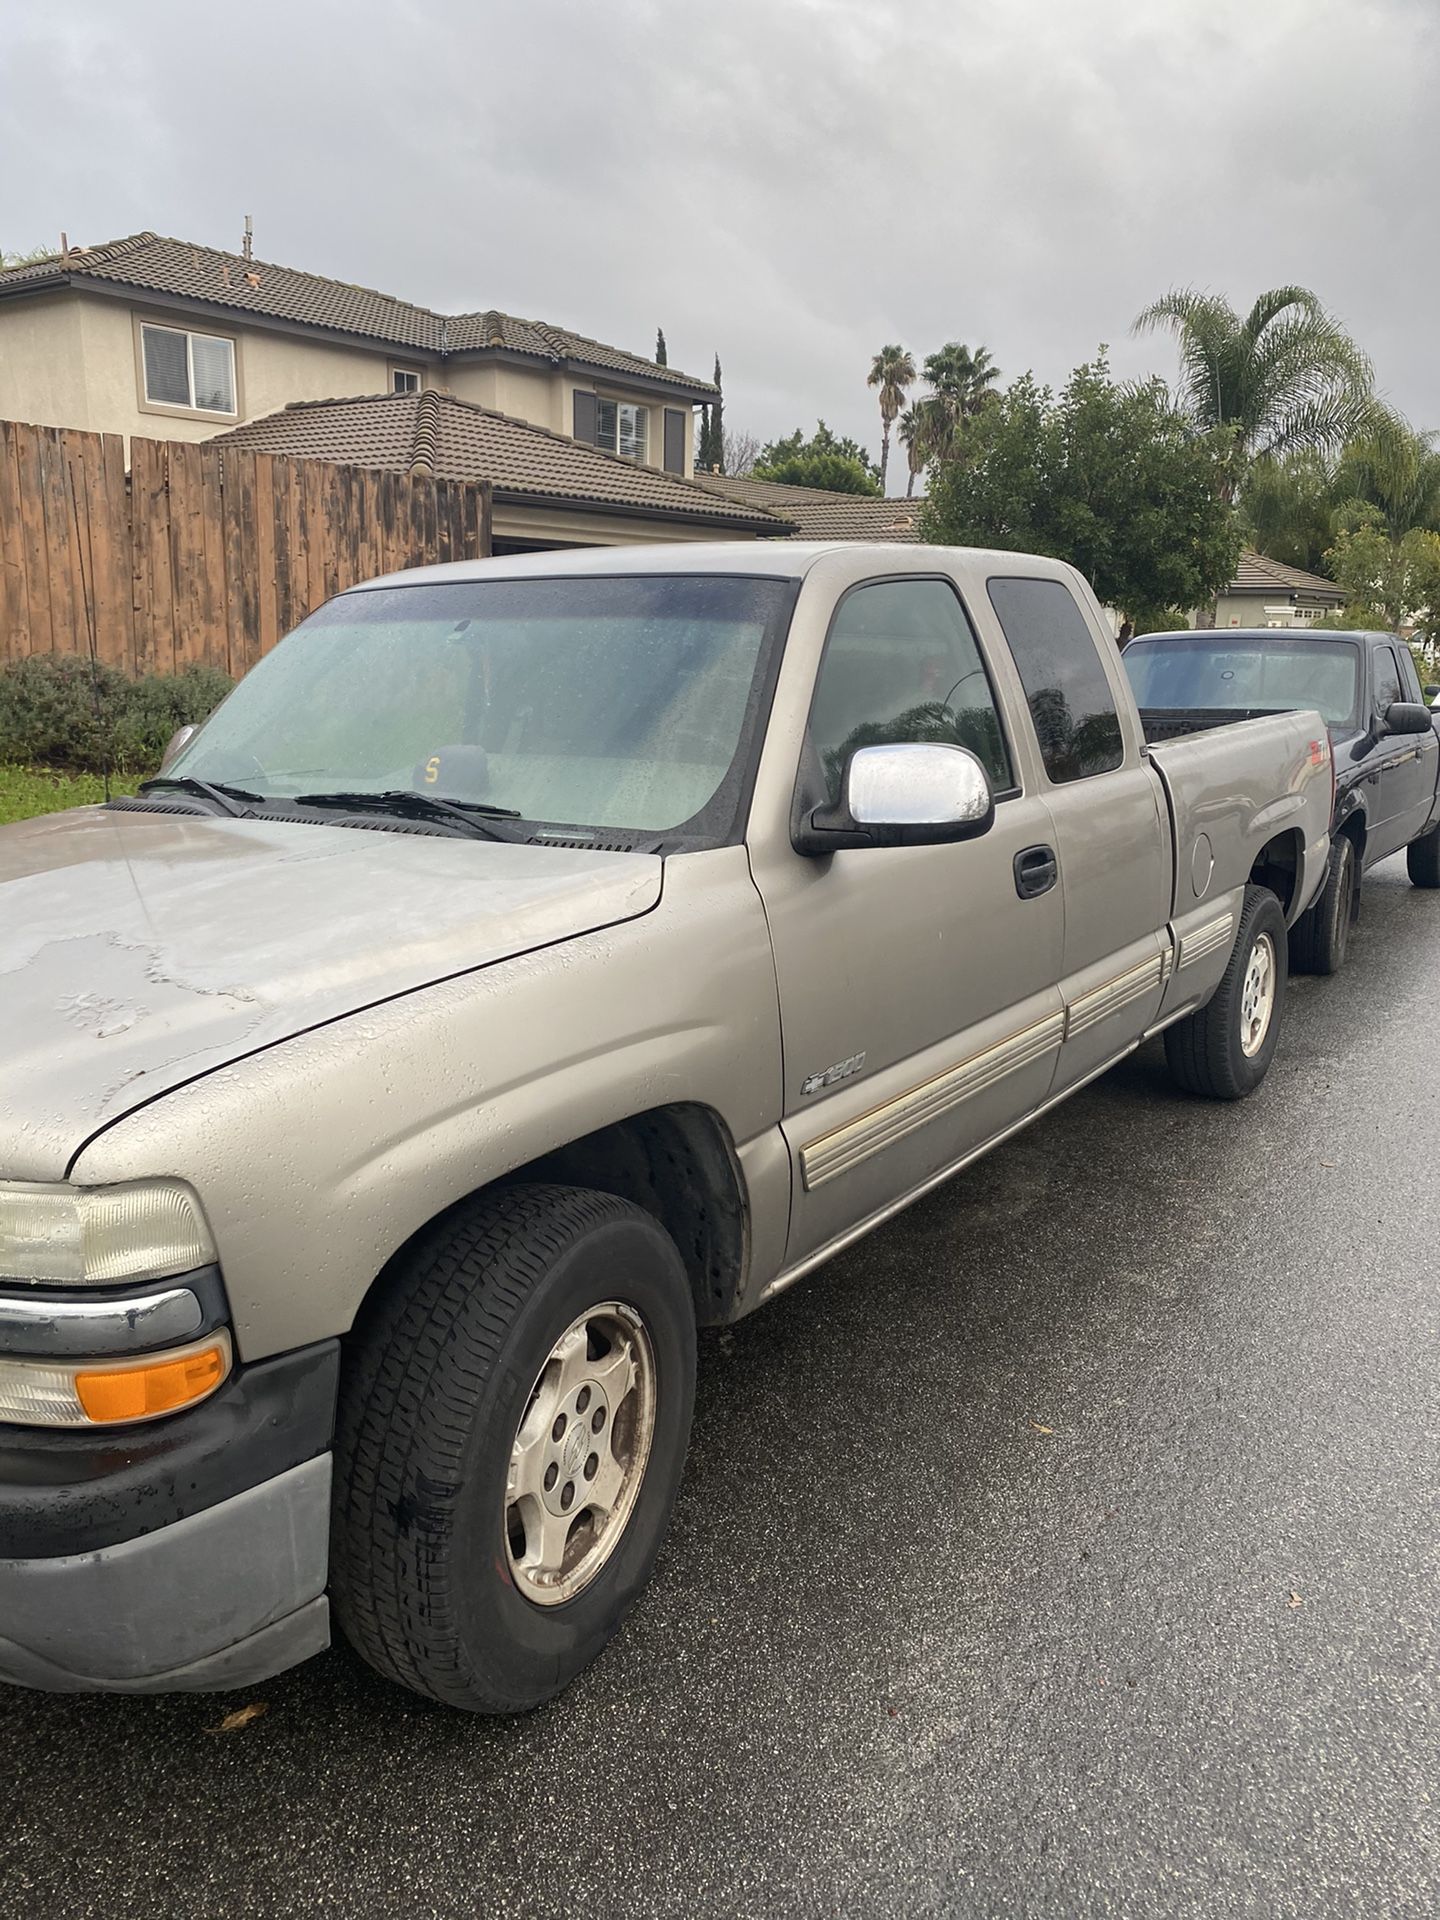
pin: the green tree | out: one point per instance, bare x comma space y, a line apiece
1110, 477
1287, 509
660, 350
892, 371
826, 460
1393, 472
1389, 583
1286, 376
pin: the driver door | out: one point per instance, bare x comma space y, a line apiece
1407, 761
918, 996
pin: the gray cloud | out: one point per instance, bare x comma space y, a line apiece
791, 182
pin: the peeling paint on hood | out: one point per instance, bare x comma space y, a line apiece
138, 950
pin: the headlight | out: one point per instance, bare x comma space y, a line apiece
101, 1236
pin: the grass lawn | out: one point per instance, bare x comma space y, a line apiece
29, 790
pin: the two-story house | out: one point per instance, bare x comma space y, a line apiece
174, 341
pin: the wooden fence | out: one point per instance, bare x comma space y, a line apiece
200, 553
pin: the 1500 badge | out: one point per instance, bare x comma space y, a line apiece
842, 1070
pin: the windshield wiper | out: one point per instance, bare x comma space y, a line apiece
421, 806
216, 791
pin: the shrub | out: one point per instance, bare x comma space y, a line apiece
154, 707
57, 710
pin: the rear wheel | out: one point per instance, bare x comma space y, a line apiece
1422, 859
513, 1422
1320, 938
1224, 1050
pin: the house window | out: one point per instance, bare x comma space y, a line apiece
191, 370
404, 380
621, 427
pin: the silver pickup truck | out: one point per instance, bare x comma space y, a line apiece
532, 960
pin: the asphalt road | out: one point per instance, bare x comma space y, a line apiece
1068, 1549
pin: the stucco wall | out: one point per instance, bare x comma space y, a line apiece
70, 362
523, 393
42, 363
571, 527
1258, 610
548, 399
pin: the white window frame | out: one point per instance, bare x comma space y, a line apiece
189, 335
641, 414
410, 375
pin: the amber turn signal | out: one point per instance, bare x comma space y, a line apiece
162, 1385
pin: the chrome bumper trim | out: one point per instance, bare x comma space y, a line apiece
79, 1329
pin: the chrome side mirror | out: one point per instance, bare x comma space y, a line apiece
912, 794
176, 745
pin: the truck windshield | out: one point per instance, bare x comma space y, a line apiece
621, 704
1271, 672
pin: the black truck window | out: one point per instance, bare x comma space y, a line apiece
1387, 678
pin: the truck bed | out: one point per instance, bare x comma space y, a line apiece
1218, 772
1171, 723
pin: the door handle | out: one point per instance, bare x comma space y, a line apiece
1036, 871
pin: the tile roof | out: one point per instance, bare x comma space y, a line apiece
820, 515
150, 263
1257, 573
460, 441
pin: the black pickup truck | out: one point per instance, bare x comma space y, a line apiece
1384, 741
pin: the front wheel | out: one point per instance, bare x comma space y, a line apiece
1422, 859
513, 1421
1224, 1049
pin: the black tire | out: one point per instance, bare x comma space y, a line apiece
1422, 859
437, 1378
1205, 1051
1320, 938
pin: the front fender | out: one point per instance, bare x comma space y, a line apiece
319, 1158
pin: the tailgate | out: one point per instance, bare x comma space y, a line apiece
1235, 792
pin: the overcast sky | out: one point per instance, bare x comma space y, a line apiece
791, 182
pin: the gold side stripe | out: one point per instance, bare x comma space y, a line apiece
1094, 1006
1205, 940
838, 1152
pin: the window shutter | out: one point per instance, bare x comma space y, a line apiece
674, 440
585, 417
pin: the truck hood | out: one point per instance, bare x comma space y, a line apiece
138, 950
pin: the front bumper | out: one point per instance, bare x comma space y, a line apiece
191, 1554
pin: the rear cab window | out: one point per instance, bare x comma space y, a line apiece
1072, 707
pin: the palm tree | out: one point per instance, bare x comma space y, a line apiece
1287, 508
1285, 377
963, 383
913, 432
964, 376
892, 371
1391, 475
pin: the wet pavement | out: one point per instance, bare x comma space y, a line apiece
1067, 1548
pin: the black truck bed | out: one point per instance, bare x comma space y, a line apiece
1170, 723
